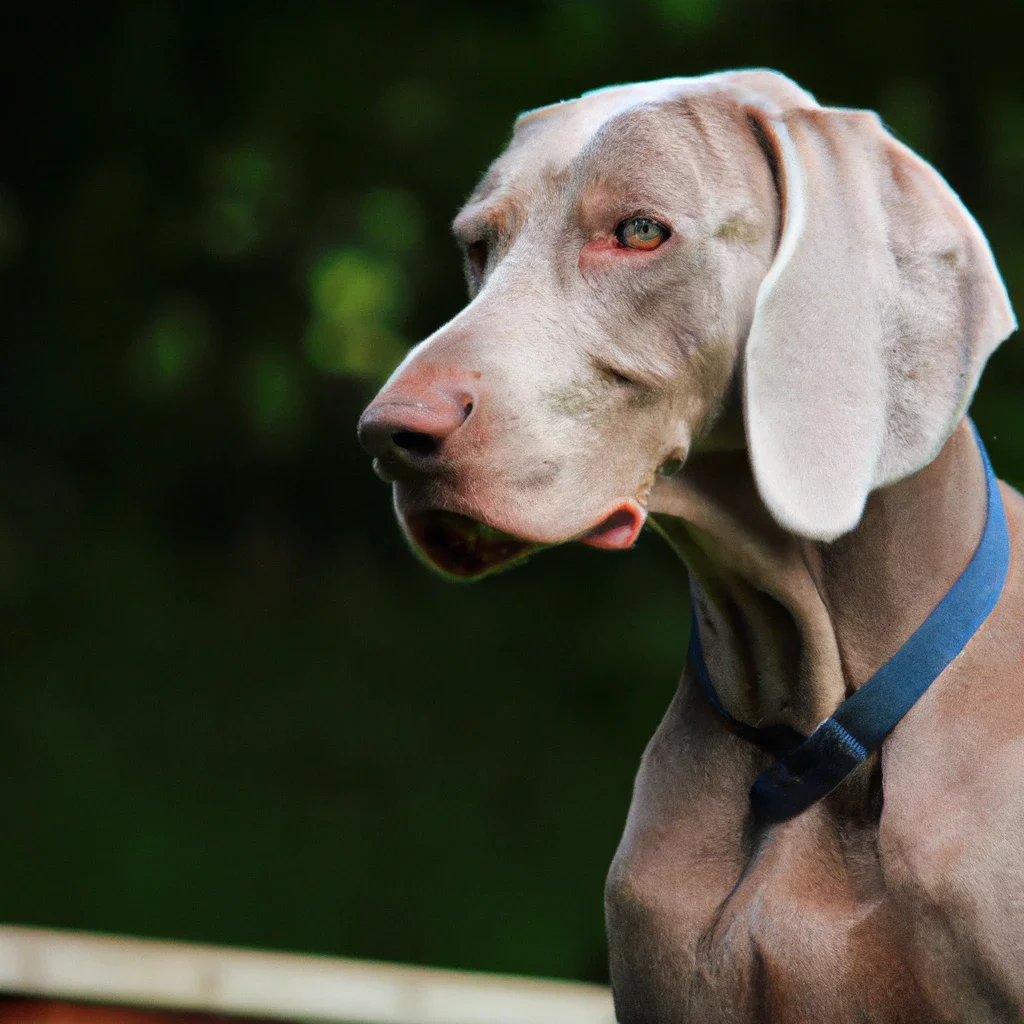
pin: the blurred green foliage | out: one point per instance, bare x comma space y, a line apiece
234, 708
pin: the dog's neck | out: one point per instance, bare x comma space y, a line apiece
790, 627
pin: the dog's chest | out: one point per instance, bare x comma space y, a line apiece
793, 942
709, 923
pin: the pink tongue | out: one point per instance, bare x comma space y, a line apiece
618, 531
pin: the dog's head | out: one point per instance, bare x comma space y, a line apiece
639, 257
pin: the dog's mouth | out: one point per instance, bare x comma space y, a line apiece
464, 547
467, 548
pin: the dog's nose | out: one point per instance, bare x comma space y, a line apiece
410, 435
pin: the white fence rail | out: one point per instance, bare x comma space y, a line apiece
170, 975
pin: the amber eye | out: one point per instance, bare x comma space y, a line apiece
641, 233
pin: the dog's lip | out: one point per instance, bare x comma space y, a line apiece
467, 547
463, 547
619, 529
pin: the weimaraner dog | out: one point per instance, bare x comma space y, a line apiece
756, 323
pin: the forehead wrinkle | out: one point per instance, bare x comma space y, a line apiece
650, 130
692, 115
715, 120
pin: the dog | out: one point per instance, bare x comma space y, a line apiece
755, 323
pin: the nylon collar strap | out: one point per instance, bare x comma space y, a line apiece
811, 767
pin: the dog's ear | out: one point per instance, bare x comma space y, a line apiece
872, 325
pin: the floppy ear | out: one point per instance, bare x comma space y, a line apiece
872, 325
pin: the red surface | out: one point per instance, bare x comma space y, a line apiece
46, 1011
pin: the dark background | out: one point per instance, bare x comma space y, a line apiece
234, 708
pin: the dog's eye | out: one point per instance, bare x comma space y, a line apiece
641, 233
476, 257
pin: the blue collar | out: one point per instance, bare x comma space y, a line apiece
810, 767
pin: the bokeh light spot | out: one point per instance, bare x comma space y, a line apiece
391, 220
172, 346
349, 286
231, 228
367, 351
276, 397
248, 188
245, 171
356, 299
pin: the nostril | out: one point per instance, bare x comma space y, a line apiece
414, 442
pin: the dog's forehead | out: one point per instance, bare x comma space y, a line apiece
564, 129
551, 137
545, 142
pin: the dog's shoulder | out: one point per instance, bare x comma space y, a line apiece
951, 829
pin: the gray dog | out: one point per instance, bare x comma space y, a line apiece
758, 321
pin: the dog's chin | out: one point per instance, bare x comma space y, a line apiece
464, 548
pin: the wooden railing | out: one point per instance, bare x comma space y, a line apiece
128, 972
